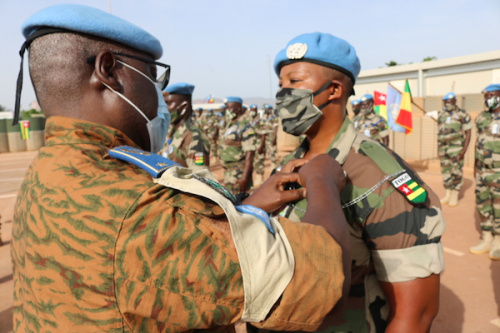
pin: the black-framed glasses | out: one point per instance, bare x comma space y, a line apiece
162, 79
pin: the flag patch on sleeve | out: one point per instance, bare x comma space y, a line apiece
410, 189
198, 159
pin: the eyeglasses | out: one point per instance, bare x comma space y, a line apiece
163, 79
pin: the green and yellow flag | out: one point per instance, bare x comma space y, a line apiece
405, 117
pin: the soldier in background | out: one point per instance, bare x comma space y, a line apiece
237, 147
258, 124
271, 125
355, 109
371, 124
186, 144
454, 131
487, 173
198, 116
212, 131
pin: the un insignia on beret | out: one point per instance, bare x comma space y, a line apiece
296, 51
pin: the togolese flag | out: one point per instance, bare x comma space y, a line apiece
24, 126
405, 118
379, 100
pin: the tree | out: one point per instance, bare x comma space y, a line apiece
2, 108
429, 59
391, 63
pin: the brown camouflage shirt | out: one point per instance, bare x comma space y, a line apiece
97, 246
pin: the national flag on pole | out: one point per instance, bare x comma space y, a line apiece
379, 100
393, 103
24, 126
209, 99
405, 118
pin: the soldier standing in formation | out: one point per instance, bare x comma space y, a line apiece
371, 124
237, 147
271, 125
212, 131
186, 143
394, 218
487, 173
454, 131
355, 110
258, 123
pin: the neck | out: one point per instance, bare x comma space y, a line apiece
323, 132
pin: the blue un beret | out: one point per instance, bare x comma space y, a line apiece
492, 87
449, 95
366, 97
253, 106
322, 49
180, 88
355, 102
233, 99
92, 21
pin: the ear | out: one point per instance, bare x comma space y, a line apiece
105, 71
336, 90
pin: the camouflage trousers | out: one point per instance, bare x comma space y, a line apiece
271, 149
258, 163
488, 200
451, 170
232, 173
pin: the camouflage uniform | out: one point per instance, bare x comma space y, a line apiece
271, 124
373, 126
237, 138
258, 162
487, 158
211, 132
189, 147
451, 138
97, 246
392, 239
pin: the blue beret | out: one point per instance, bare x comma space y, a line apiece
322, 49
92, 21
235, 99
355, 102
449, 95
366, 97
180, 88
253, 106
198, 109
492, 87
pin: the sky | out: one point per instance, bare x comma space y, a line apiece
227, 47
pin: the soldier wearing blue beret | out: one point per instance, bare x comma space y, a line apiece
369, 123
487, 173
454, 132
395, 220
110, 237
355, 107
237, 146
186, 143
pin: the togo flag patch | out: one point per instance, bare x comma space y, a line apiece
410, 189
198, 159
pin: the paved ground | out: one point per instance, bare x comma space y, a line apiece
470, 285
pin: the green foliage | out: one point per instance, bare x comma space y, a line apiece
391, 63
429, 59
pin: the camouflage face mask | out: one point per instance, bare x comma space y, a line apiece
297, 110
492, 103
449, 106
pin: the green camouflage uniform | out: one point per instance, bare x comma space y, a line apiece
451, 138
392, 239
258, 124
271, 123
98, 246
237, 138
487, 158
372, 125
211, 132
189, 147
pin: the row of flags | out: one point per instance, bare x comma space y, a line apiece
395, 107
209, 99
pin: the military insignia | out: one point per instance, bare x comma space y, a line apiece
410, 189
217, 187
198, 159
154, 164
296, 51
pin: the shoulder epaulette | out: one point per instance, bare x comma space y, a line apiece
154, 164
404, 181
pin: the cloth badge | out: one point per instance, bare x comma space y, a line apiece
296, 51
198, 159
154, 164
410, 189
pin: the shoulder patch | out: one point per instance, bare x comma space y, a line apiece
410, 189
154, 164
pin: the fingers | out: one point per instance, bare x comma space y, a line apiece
292, 165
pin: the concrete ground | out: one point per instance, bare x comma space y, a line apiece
470, 284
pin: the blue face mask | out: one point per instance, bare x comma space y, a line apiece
158, 127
